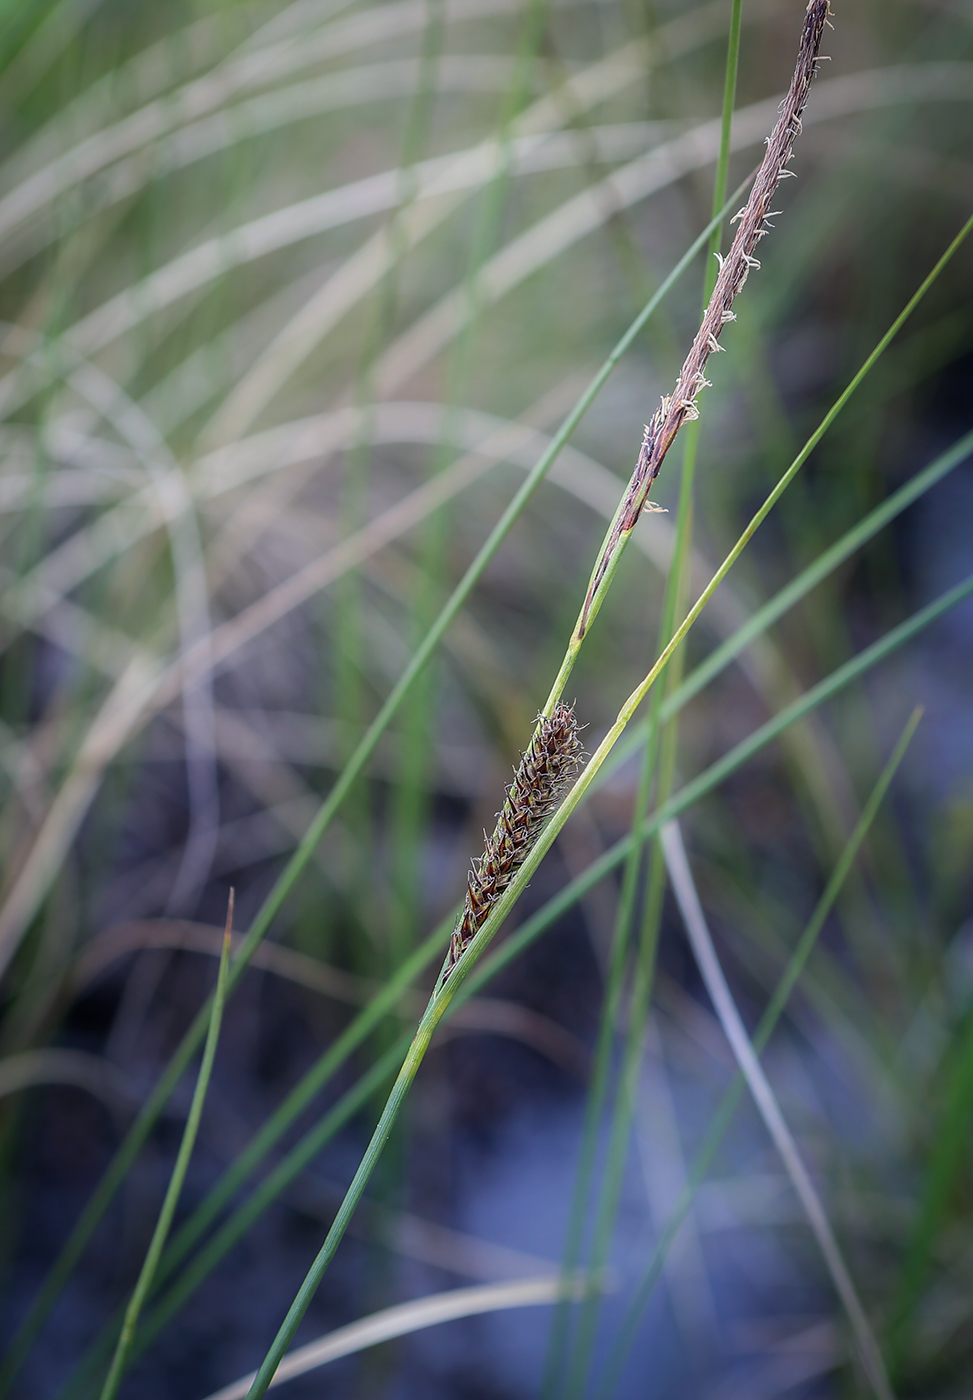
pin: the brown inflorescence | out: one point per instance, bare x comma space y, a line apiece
551, 758
680, 407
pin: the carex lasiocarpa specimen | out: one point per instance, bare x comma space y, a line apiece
550, 760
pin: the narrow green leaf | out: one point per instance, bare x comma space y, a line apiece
144, 1282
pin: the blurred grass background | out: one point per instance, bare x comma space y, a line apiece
265, 272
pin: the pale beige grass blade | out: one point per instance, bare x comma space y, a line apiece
584, 213
386, 81
401, 1320
701, 942
444, 183
443, 177
248, 71
557, 231
364, 270
57, 1066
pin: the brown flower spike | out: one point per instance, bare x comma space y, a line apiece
551, 758
680, 407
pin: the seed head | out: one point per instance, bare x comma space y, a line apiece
551, 758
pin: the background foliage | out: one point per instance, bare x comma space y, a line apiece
292, 297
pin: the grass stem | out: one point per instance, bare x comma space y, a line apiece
144, 1282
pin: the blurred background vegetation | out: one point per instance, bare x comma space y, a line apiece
266, 272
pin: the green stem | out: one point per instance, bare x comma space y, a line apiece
237, 1224
574, 1360
410, 799
420, 1043
558, 1346
645, 961
723, 160
141, 1291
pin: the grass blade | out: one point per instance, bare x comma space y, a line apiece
235, 1226
716, 984
569, 1361
141, 1291
403, 1319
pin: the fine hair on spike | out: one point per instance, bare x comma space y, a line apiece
550, 760
680, 407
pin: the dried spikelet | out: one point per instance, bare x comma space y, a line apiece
681, 407
551, 758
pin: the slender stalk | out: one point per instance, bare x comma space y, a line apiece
409, 798
567, 1355
723, 159
597, 1097
642, 690
390, 1113
665, 748
681, 406
236, 1225
144, 1282
642, 979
